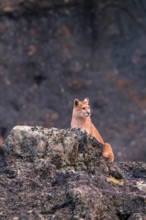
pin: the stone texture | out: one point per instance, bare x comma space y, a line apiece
53, 51
61, 174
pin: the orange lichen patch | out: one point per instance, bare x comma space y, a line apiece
38, 31
141, 101
65, 32
122, 83
134, 95
75, 84
133, 128
2, 28
67, 47
126, 86
1, 141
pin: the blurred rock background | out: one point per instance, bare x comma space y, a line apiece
54, 51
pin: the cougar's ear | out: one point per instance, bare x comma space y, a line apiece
76, 102
86, 100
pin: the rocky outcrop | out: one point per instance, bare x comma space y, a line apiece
61, 174
53, 51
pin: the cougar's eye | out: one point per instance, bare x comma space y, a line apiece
83, 108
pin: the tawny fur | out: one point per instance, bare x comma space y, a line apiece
81, 119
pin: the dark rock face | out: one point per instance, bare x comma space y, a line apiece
53, 51
61, 174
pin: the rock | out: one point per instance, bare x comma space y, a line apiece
16, 7
61, 174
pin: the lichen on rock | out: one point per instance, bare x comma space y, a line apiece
61, 174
